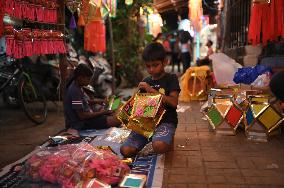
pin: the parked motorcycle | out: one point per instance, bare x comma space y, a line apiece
102, 78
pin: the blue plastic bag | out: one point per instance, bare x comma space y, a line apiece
247, 75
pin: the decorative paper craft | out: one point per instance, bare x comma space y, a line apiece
133, 181
125, 111
261, 118
269, 118
234, 116
142, 113
224, 115
92, 183
249, 118
214, 117
146, 105
114, 103
223, 103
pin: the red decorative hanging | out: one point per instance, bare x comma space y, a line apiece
94, 36
2, 12
277, 19
266, 22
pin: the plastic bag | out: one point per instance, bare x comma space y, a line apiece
117, 135
70, 164
224, 68
262, 80
247, 75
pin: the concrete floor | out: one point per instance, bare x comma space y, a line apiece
201, 158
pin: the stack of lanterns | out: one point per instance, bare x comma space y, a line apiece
231, 109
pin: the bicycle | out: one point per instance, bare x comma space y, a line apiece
16, 80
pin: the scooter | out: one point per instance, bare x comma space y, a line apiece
102, 78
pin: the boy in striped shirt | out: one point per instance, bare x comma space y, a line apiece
77, 106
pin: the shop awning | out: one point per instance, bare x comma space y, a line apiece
168, 5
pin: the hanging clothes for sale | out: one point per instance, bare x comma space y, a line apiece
195, 12
266, 22
259, 22
277, 19
2, 12
94, 36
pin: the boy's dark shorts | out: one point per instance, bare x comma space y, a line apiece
164, 132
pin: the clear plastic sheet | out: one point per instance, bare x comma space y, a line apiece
68, 165
117, 135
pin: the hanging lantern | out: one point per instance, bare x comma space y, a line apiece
72, 23
128, 2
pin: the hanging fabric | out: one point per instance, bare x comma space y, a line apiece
104, 11
266, 22
94, 36
81, 20
112, 4
72, 24
259, 22
2, 12
277, 19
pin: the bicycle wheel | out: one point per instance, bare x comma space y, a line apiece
32, 100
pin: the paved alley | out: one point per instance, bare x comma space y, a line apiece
201, 158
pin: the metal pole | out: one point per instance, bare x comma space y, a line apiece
112, 54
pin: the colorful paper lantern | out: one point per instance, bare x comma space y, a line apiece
142, 113
224, 115
234, 116
214, 117
223, 103
261, 118
195, 84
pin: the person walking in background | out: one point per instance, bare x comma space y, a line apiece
175, 52
168, 49
158, 38
206, 60
186, 50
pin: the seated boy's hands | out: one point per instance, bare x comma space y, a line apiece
145, 86
106, 112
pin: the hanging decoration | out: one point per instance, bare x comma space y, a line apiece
81, 20
266, 21
73, 6
195, 12
128, 2
104, 11
2, 11
112, 5
72, 24
94, 36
